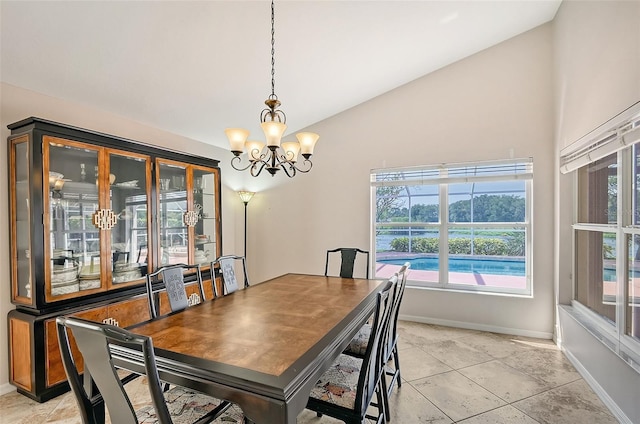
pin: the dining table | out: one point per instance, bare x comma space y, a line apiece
262, 348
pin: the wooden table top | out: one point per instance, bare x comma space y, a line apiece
271, 328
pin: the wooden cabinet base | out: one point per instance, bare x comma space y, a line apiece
27, 353
34, 362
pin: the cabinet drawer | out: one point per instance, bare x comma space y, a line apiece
128, 312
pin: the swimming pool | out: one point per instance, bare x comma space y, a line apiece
494, 266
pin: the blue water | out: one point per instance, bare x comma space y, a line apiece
469, 265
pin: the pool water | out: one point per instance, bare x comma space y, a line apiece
468, 265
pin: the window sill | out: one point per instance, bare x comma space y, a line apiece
468, 291
607, 337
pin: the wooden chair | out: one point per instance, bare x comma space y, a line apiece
358, 345
348, 257
228, 273
171, 281
94, 341
345, 391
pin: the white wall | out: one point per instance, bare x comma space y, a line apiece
17, 104
596, 76
596, 59
492, 105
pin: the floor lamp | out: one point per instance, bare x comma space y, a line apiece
245, 196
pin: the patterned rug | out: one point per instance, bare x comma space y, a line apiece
187, 406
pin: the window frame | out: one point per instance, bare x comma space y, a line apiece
443, 181
620, 136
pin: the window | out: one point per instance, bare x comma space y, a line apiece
606, 228
462, 226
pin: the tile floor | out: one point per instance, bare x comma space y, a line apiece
449, 376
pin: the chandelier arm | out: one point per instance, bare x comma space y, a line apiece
238, 159
287, 165
288, 168
254, 166
306, 162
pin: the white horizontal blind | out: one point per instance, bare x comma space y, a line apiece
513, 169
615, 134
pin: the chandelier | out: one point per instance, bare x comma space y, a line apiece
276, 155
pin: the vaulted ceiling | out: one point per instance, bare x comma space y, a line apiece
196, 67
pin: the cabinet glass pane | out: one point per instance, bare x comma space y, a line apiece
73, 199
204, 199
174, 233
129, 237
22, 220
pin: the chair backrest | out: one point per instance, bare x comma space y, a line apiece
228, 273
171, 279
372, 365
392, 336
94, 341
348, 257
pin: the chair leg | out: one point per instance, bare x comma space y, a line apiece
384, 402
97, 413
384, 415
396, 360
395, 375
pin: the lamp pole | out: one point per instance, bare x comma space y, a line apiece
245, 196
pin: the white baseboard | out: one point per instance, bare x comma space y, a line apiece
598, 390
6, 388
479, 327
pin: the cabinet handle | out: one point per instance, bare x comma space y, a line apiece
194, 299
190, 218
111, 321
104, 219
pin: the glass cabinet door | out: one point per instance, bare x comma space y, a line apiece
172, 207
129, 202
204, 204
21, 220
72, 259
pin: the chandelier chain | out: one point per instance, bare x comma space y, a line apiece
273, 53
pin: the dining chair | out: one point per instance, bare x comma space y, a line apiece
345, 391
94, 341
228, 273
171, 281
358, 345
348, 256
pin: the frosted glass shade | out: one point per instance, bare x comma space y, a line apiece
307, 143
254, 148
273, 132
245, 196
237, 137
291, 150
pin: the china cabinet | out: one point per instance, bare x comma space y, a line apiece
90, 216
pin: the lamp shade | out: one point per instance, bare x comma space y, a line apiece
273, 132
254, 148
245, 196
237, 137
291, 150
307, 143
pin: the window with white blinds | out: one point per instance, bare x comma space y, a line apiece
606, 227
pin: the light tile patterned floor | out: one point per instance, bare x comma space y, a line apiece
449, 376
